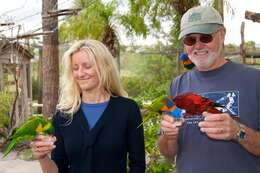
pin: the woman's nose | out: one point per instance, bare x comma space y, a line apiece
81, 71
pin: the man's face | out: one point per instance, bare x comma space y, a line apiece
205, 51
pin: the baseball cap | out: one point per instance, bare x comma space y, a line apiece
200, 19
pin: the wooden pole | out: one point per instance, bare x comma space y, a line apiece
40, 86
242, 48
50, 59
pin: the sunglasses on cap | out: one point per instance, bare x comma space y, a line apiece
190, 40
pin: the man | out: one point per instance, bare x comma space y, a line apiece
214, 143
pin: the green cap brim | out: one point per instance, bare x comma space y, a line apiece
201, 29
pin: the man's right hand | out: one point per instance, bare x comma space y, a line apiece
169, 127
167, 141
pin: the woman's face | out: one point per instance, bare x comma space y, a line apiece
84, 72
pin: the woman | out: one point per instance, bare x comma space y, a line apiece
96, 127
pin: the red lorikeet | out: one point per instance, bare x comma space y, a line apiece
191, 103
195, 104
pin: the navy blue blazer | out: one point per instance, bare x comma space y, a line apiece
106, 147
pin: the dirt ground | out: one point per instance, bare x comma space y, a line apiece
12, 164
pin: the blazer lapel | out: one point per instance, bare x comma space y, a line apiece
90, 136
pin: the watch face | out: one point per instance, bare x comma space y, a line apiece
242, 134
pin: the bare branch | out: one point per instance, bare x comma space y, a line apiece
255, 17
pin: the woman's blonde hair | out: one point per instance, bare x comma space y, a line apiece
70, 93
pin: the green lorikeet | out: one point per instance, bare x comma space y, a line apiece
165, 104
157, 104
28, 131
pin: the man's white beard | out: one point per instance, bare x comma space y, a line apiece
208, 62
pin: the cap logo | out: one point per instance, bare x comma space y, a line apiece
194, 17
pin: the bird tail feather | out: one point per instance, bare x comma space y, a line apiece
9, 147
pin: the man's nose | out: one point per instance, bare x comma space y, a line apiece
198, 43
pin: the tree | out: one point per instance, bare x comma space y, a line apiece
50, 60
101, 21
219, 5
159, 11
250, 46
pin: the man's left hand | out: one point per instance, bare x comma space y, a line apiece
219, 126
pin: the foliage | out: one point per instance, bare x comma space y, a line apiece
89, 23
250, 46
231, 48
27, 155
159, 11
101, 21
217, 4
145, 77
5, 107
35, 80
96, 17
155, 161
157, 72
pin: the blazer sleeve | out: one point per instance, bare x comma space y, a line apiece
135, 141
58, 155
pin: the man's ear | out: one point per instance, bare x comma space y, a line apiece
223, 32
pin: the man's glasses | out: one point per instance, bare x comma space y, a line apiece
191, 40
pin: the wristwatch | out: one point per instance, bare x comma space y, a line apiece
241, 134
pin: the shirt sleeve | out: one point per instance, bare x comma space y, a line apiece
174, 87
58, 155
135, 141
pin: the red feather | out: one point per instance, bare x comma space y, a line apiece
195, 104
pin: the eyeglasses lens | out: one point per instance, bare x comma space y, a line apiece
191, 40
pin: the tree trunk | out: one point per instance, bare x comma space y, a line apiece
40, 86
109, 38
219, 5
50, 59
111, 41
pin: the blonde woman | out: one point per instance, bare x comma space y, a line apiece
96, 126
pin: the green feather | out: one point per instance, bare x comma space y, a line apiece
9, 147
155, 107
157, 104
27, 132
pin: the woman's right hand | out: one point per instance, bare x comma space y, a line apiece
42, 146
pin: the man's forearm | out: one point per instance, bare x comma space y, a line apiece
167, 147
252, 141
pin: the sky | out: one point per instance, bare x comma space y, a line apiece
27, 13
233, 22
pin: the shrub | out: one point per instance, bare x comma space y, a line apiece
5, 107
145, 78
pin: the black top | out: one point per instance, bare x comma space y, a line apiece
106, 146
